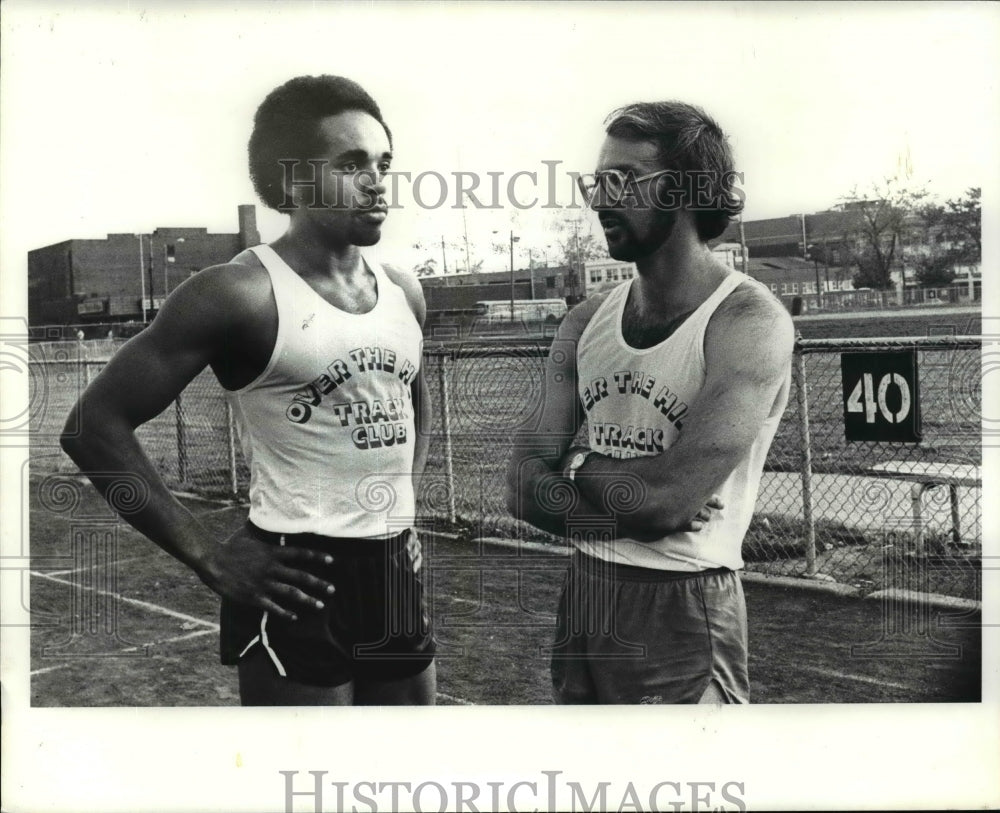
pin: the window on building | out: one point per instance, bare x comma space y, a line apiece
550, 282
597, 275
774, 288
795, 287
613, 275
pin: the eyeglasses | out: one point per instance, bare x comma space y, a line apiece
614, 182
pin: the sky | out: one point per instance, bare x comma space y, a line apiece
123, 117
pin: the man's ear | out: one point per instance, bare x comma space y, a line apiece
668, 192
291, 197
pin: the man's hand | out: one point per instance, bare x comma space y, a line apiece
705, 514
248, 571
696, 523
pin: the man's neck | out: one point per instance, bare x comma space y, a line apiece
675, 280
310, 256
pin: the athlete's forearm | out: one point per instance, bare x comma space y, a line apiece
540, 494
422, 424
110, 455
646, 503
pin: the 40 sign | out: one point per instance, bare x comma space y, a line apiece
881, 397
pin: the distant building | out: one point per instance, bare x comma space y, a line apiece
462, 291
125, 277
604, 274
794, 235
601, 275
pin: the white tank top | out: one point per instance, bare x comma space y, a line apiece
637, 404
327, 428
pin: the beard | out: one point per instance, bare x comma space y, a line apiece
628, 242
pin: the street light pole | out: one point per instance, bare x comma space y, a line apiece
142, 278
513, 240
743, 246
149, 270
819, 290
167, 259
531, 272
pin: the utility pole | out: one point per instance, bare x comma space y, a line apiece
513, 240
819, 292
149, 260
743, 246
465, 229
826, 264
142, 278
444, 258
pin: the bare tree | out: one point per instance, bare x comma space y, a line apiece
575, 242
880, 219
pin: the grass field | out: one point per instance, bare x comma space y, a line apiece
116, 622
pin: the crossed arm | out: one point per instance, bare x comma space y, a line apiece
748, 346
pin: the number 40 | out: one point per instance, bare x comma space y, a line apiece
865, 390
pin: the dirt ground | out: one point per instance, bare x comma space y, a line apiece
116, 622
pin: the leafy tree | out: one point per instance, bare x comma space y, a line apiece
962, 227
951, 236
426, 268
935, 269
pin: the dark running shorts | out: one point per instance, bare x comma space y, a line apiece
634, 635
375, 626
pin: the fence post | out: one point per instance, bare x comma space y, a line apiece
807, 513
446, 433
231, 448
181, 441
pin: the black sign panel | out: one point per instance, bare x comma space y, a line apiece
881, 396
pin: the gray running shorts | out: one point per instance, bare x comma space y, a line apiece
635, 635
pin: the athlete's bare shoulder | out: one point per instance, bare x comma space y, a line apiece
579, 317
752, 317
239, 287
411, 287
752, 300
223, 306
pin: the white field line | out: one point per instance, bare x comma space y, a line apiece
156, 608
859, 678
456, 700
173, 640
92, 567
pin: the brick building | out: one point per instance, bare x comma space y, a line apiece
125, 277
794, 235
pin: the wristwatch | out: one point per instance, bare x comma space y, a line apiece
576, 463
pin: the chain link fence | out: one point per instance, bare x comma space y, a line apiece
870, 514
